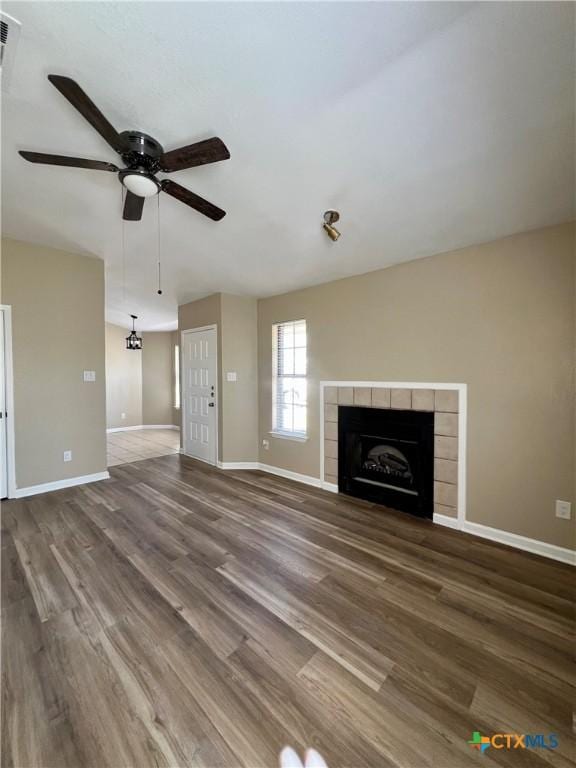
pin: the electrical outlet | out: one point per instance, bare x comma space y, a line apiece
122, 415
266, 445
563, 509
67, 455
90, 376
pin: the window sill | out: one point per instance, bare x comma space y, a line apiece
289, 436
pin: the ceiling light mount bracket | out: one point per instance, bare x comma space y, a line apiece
330, 218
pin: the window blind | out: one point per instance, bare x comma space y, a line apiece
289, 364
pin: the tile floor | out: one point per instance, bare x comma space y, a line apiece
138, 444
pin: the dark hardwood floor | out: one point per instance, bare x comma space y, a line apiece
178, 615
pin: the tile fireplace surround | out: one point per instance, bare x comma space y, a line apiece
447, 401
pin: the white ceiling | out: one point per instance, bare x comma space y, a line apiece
429, 126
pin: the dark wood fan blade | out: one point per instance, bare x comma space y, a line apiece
198, 203
89, 111
133, 207
70, 162
200, 153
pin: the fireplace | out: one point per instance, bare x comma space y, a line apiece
387, 456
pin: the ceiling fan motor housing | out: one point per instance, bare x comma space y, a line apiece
142, 151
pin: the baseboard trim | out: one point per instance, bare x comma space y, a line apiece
562, 554
483, 531
142, 426
238, 465
182, 452
57, 485
448, 522
306, 479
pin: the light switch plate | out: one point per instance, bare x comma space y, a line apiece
67, 456
563, 509
231, 376
89, 375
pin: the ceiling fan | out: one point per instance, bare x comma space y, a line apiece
142, 155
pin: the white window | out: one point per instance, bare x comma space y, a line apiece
289, 365
176, 376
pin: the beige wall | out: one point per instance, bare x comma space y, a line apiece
239, 343
498, 317
197, 314
123, 380
57, 301
236, 319
157, 378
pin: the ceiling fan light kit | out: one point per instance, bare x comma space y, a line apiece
330, 218
139, 183
143, 157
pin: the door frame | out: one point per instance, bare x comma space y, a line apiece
183, 404
9, 384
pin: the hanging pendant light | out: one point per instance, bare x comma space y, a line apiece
133, 341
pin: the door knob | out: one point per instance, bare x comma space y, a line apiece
210, 405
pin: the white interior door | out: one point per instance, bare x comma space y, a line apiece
199, 394
3, 433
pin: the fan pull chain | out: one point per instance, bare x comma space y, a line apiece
122, 197
159, 253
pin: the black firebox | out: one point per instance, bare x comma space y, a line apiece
387, 456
